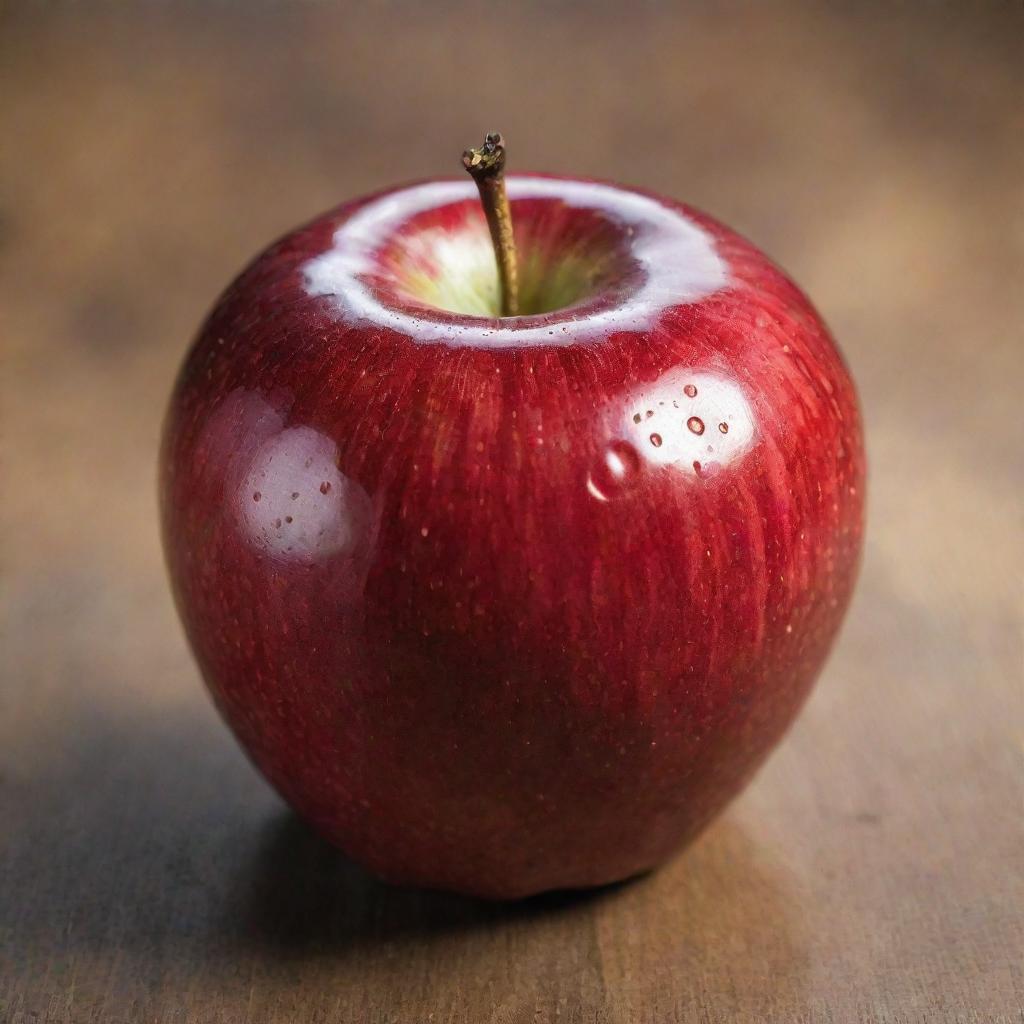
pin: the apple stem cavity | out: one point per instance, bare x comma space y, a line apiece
486, 166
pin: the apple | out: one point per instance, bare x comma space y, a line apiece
508, 604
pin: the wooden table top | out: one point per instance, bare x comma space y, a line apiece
874, 871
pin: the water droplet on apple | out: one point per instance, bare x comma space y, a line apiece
636, 418
256, 496
696, 425
723, 427
690, 391
656, 440
614, 471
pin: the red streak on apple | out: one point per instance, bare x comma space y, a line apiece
507, 605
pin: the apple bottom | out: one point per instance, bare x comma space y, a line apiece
500, 790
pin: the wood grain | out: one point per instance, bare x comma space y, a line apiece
875, 869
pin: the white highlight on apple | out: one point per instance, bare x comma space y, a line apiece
695, 421
677, 257
296, 504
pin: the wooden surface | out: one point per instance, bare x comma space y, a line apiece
875, 869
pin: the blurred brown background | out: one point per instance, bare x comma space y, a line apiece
875, 870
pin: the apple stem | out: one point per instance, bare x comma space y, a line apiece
486, 166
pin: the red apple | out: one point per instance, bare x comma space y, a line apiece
510, 604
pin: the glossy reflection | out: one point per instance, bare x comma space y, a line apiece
692, 420
294, 501
280, 489
675, 257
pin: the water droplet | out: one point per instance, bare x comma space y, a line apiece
723, 427
690, 391
656, 440
650, 413
256, 496
424, 531
636, 418
696, 467
696, 424
287, 519
325, 487
295, 494
614, 470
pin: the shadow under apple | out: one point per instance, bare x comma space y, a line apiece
718, 925
304, 893
160, 867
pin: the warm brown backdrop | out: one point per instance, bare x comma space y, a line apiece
875, 870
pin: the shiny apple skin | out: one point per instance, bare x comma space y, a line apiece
463, 611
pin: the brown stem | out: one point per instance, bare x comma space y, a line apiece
486, 165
